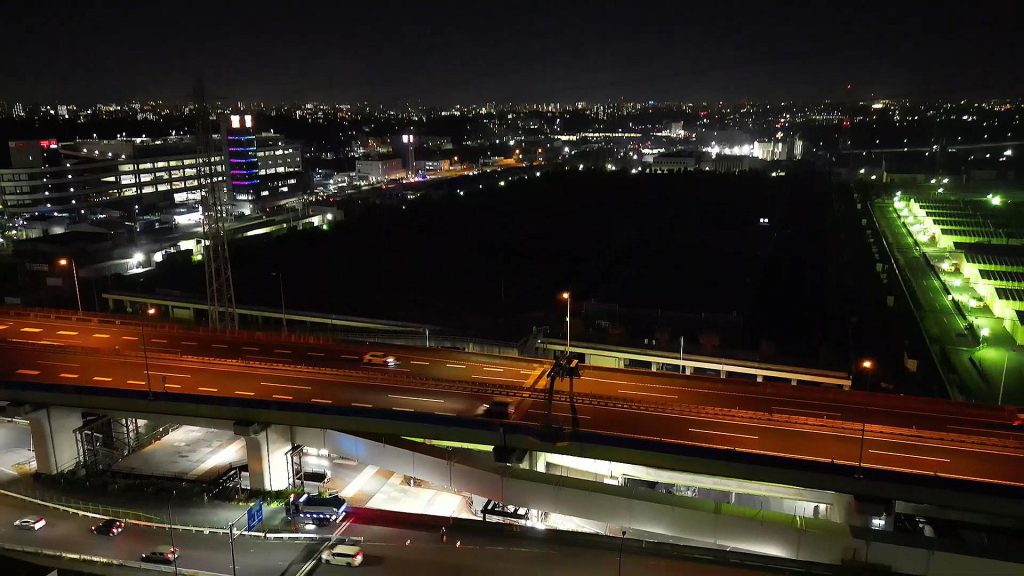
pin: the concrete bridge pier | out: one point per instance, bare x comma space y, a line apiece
53, 437
266, 449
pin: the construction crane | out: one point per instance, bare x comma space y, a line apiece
220, 292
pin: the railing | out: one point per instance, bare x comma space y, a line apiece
34, 551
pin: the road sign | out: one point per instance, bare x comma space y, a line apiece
254, 515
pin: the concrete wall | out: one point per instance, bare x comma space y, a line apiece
617, 505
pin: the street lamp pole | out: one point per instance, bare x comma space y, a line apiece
170, 531
622, 542
568, 321
74, 274
682, 340
145, 353
1002, 381
280, 286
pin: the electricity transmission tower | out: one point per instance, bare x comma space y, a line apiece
220, 292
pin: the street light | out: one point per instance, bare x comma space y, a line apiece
568, 320
74, 274
869, 366
150, 311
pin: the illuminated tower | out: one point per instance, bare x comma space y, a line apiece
240, 162
220, 292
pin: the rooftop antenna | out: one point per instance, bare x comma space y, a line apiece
220, 292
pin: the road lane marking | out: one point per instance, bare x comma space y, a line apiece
415, 398
101, 379
35, 341
723, 433
558, 413
446, 413
314, 353
208, 389
403, 409
67, 333
28, 372
172, 386
251, 348
418, 362
31, 329
169, 374
281, 397
948, 447
135, 382
349, 356
101, 335
219, 345
158, 340
808, 411
244, 393
606, 380
68, 375
455, 365
128, 338
287, 386
2, 326
283, 351
494, 369
190, 343
321, 401
910, 455
501, 378
361, 405
647, 394
56, 363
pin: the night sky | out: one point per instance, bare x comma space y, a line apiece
441, 52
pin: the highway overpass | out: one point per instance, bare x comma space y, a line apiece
57, 364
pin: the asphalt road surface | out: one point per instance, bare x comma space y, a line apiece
922, 436
70, 533
388, 549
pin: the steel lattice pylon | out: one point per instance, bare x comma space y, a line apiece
220, 292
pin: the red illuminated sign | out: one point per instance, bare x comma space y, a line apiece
47, 143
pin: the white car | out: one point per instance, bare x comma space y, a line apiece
379, 359
343, 555
30, 523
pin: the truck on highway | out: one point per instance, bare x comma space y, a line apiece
319, 510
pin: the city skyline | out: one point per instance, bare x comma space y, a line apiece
455, 52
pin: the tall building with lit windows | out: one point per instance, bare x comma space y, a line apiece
144, 174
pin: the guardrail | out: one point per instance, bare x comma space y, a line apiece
165, 526
101, 560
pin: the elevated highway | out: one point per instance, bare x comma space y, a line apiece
836, 439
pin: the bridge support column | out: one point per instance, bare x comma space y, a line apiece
688, 370
53, 437
266, 449
760, 377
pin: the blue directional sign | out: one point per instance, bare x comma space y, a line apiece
254, 515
